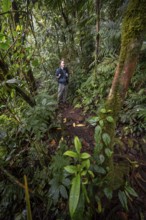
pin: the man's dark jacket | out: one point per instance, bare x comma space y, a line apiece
64, 74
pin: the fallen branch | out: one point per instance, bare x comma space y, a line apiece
13, 179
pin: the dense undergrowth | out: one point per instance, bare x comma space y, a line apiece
26, 149
65, 182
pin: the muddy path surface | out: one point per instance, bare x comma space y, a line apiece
74, 123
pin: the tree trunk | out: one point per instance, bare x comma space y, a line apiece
133, 30
31, 82
97, 10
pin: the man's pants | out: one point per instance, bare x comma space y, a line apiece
62, 92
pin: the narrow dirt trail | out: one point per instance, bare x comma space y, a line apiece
74, 123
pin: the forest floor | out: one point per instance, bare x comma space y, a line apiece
74, 123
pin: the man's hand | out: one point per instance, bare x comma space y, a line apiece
58, 76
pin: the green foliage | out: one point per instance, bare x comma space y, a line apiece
40, 119
127, 194
6, 5
81, 171
74, 194
133, 113
34, 37
59, 182
95, 88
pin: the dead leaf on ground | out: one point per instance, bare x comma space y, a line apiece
80, 125
64, 120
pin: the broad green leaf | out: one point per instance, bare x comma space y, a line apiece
6, 5
74, 194
97, 135
131, 191
101, 122
123, 199
85, 155
106, 139
103, 110
108, 152
110, 119
99, 169
85, 163
98, 147
71, 154
102, 158
63, 192
91, 173
93, 120
84, 172
71, 169
77, 144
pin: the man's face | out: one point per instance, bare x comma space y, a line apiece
62, 64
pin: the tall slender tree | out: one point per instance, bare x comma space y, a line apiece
133, 32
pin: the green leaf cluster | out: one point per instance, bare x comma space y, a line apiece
81, 171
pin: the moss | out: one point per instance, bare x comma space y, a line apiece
133, 28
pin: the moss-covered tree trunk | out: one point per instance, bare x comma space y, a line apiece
133, 31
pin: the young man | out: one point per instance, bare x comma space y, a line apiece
62, 75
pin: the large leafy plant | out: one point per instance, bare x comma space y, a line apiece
41, 118
81, 173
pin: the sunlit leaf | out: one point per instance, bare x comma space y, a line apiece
91, 173
77, 144
86, 163
71, 169
108, 152
103, 110
74, 194
110, 119
85, 155
71, 154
